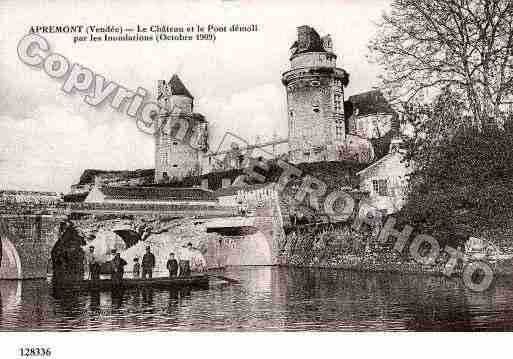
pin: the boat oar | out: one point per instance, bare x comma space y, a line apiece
230, 280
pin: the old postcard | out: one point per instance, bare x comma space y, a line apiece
255, 166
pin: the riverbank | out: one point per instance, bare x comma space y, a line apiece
402, 268
337, 246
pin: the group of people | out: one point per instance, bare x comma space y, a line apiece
91, 265
181, 267
147, 264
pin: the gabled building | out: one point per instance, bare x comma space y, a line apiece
386, 180
151, 195
371, 115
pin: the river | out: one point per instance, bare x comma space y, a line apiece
268, 298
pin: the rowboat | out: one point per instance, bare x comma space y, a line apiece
197, 281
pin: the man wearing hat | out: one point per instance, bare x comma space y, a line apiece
118, 268
148, 263
90, 261
185, 260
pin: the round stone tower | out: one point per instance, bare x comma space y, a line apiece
175, 158
315, 98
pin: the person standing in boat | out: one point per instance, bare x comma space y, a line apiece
118, 267
172, 265
185, 260
90, 261
148, 263
136, 271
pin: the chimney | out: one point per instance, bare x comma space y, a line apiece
303, 32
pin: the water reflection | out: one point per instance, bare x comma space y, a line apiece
267, 298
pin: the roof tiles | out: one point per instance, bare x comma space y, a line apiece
158, 193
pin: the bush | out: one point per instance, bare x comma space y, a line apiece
463, 186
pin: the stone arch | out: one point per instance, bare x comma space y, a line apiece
10, 262
67, 255
253, 249
10, 295
269, 222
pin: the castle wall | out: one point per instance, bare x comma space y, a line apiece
371, 126
315, 104
182, 103
175, 158
33, 237
315, 99
314, 125
313, 59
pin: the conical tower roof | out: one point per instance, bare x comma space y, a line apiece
178, 88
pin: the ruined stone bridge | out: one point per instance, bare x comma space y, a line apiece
261, 238
28, 240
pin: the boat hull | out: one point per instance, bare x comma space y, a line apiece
199, 281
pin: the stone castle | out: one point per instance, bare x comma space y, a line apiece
175, 159
318, 127
315, 99
322, 125
214, 213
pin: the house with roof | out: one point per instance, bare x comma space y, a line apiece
151, 195
371, 115
386, 180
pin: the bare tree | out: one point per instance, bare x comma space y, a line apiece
426, 45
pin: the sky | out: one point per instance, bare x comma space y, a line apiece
47, 137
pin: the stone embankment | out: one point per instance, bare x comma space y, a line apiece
337, 246
504, 268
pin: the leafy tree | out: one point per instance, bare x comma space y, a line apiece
425, 45
433, 123
461, 184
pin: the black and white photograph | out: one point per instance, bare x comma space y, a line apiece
243, 166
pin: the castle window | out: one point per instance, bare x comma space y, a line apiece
375, 186
315, 108
175, 165
339, 130
380, 187
337, 102
175, 143
306, 154
383, 187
